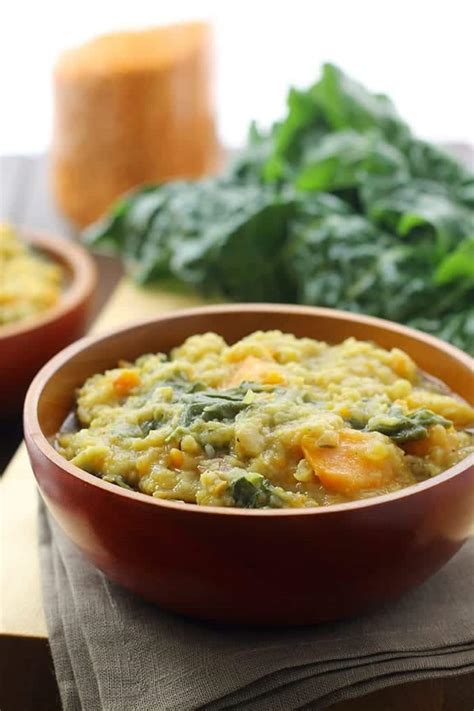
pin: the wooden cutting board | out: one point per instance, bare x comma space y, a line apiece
21, 611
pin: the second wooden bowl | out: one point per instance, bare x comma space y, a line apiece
25, 346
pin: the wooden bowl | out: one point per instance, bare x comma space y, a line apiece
284, 566
25, 346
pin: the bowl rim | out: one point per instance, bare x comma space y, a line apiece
35, 437
76, 260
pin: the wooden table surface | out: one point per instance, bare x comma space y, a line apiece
27, 681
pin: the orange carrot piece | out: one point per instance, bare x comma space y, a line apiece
359, 462
125, 382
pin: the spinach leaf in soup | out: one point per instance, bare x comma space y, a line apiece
253, 491
219, 405
401, 427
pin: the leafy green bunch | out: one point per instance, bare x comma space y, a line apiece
336, 205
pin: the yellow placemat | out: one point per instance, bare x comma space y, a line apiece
21, 611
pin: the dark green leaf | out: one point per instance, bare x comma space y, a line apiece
393, 239
207, 405
422, 207
253, 491
458, 265
347, 104
405, 428
345, 159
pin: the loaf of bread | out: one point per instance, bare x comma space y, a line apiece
131, 108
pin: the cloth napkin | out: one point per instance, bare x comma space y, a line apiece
114, 652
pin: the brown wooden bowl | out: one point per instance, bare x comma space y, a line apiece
25, 346
284, 566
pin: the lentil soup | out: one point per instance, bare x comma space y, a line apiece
29, 282
271, 421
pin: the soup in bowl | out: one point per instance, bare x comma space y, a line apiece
270, 421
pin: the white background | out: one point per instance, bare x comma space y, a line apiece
419, 52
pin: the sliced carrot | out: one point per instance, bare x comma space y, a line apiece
256, 370
125, 382
361, 460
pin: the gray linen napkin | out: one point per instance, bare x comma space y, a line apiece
112, 651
